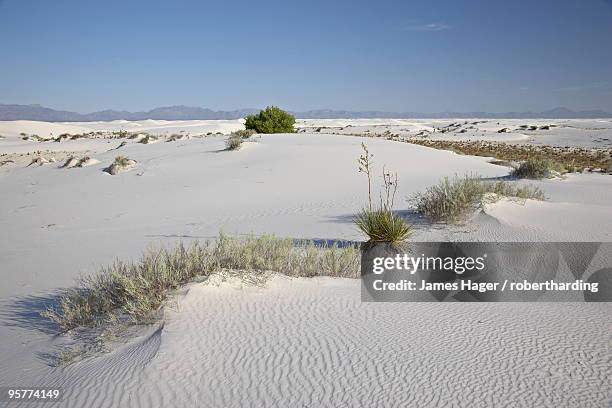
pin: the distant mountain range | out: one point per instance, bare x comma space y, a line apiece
41, 113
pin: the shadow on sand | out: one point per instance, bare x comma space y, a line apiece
25, 312
500, 178
418, 221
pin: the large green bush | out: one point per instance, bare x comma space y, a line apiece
271, 120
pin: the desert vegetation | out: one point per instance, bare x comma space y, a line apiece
570, 159
451, 200
244, 133
177, 136
380, 223
235, 139
234, 142
271, 120
85, 135
537, 168
148, 139
131, 292
120, 164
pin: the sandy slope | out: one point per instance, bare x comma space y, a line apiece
310, 337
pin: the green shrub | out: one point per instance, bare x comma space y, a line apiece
537, 168
452, 200
271, 120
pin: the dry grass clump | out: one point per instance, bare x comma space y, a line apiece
234, 142
537, 168
147, 139
505, 189
122, 161
178, 136
286, 256
61, 137
572, 159
133, 291
452, 200
120, 164
244, 133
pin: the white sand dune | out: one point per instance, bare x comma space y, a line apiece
13, 128
564, 132
298, 341
158, 127
46, 129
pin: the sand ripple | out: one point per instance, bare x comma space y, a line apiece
311, 342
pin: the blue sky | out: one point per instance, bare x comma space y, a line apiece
423, 56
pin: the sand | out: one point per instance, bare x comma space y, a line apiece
304, 341
560, 132
311, 342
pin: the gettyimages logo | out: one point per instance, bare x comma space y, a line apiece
412, 264
487, 272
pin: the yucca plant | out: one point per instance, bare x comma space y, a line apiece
380, 224
383, 225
